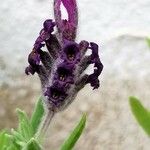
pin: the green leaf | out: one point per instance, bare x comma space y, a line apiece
25, 128
6, 141
74, 136
17, 135
148, 41
32, 145
37, 115
3, 140
141, 114
17, 138
23, 137
12, 146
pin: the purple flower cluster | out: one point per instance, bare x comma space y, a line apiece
61, 69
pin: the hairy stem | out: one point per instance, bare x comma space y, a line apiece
45, 125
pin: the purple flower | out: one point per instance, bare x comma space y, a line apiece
61, 68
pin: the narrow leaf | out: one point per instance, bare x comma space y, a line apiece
17, 135
74, 136
37, 115
6, 141
11, 145
3, 140
25, 130
141, 114
32, 145
25, 127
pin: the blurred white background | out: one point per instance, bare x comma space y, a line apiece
120, 27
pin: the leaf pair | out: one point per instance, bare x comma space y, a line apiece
24, 137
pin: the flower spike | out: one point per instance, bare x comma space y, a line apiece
61, 68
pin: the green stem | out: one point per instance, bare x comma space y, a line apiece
45, 125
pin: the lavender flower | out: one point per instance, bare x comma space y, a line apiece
61, 69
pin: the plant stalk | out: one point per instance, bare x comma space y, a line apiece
45, 125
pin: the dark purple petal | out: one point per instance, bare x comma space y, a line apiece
55, 94
45, 34
71, 52
29, 70
71, 8
69, 31
34, 58
57, 14
94, 48
34, 61
49, 26
93, 78
38, 44
64, 74
66, 28
35, 68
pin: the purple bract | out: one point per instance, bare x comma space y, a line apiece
61, 69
